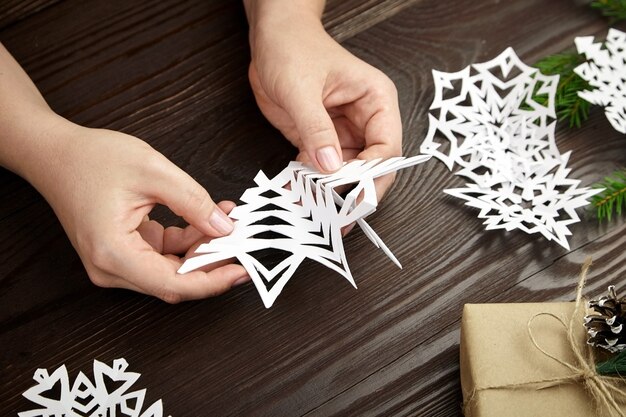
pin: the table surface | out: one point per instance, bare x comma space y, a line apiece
174, 74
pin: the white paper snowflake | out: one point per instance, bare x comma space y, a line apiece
488, 103
544, 203
304, 215
90, 398
490, 126
606, 71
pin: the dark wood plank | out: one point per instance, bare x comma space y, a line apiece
12, 11
174, 73
344, 19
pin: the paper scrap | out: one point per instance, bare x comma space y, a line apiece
304, 215
606, 71
486, 121
87, 397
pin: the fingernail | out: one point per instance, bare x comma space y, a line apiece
241, 280
221, 222
328, 158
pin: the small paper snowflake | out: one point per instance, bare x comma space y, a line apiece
90, 398
544, 203
304, 216
490, 125
606, 71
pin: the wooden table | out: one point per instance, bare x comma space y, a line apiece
174, 74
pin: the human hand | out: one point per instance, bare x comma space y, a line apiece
331, 105
103, 184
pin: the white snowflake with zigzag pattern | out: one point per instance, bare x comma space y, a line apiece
86, 397
305, 215
605, 70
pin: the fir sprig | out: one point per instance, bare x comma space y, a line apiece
614, 366
568, 104
615, 10
613, 198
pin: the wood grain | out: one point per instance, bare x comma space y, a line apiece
12, 11
174, 74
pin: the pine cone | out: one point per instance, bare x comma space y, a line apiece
607, 325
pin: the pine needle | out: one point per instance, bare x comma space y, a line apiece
614, 366
568, 105
615, 10
613, 198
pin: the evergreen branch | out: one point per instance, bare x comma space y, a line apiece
615, 10
568, 104
614, 366
613, 198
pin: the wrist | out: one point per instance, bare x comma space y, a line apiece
269, 17
35, 150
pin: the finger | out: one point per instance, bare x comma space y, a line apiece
104, 279
152, 232
318, 137
349, 154
349, 135
107, 280
382, 185
383, 130
226, 206
211, 266
377, 114
157, 275
179, 241
185, 197
304, 158
347, 229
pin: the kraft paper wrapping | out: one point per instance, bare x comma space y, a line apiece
496, 350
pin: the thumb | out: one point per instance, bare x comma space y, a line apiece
318, 137
188, 199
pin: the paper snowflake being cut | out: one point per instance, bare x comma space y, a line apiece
299, 213
485, 121
90, 398
605, 70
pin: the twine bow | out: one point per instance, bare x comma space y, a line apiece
606, 391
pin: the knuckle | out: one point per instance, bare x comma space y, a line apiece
196, 198
102, 256
169, 296
396, 150
317, 128
152, 161
384, 87
99, 280
218, 289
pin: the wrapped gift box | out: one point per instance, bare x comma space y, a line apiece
497, 351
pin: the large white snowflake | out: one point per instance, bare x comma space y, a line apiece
605, 70
486, 120
300, 213
87, 397
490, 104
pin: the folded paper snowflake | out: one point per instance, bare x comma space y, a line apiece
300, 214
87, 397
486, 121
605, 70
